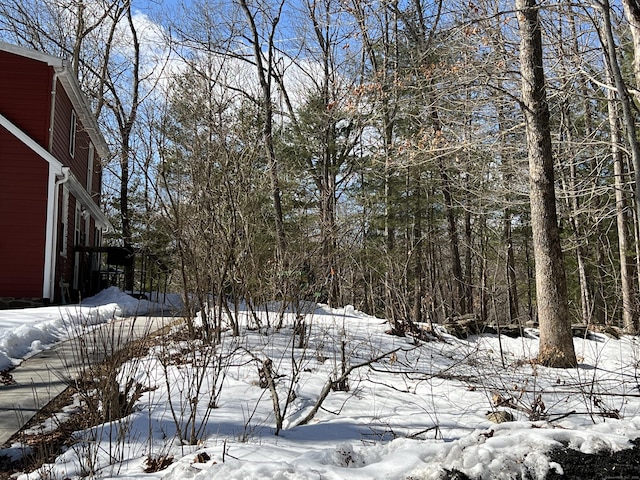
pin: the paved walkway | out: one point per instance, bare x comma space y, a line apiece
41, 378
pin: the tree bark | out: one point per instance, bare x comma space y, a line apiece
510, 267
458, 303
569, 182
632, 12
629, 317
329, 163
611, 57
556, 342
459, 306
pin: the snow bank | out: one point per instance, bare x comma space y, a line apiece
26, 332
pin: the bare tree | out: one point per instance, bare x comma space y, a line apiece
123, 100
632, 11
556, 341
629, 314
265, 70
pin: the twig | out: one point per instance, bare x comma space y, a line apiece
573, 412
330, 383
415, 435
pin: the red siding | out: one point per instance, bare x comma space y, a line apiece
23, 204
78, 163
61, 130
25, 97
80, 160
96, 192
26, 87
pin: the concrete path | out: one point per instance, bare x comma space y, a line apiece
41, 378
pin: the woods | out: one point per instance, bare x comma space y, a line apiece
421, 161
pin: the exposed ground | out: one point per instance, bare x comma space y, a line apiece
622, 465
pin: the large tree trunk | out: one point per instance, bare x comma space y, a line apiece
611, 57
510, 267
128, 120
459, 305
556, 341
569, 182
125, 213
626, 282
629, 316
418, 250
632, 12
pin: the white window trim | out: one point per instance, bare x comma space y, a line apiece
72, 133
65, 220
90, 168
77, 225
87, 228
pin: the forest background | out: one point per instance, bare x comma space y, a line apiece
366, 153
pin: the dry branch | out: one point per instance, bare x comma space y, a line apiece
340, 380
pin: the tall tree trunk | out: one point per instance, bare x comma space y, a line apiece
418, 249
125, 212
468, 256
629, 316
382, 55
595, 274
458, 303
265, 76
459, 306
502, 111
632, 12
573, 205
327, 184
611, 57
126, 121
556, 342
510, 266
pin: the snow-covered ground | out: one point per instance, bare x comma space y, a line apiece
28, 331
411, 408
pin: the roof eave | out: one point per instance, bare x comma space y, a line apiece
81, 194
34, 54
70, 81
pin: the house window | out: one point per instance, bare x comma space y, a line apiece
64, 221
78, 240
97, 242
87, 229
78, 235
90, 169
72, 133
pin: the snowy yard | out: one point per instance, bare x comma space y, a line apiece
395, 408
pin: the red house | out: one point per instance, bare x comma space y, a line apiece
50, 178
